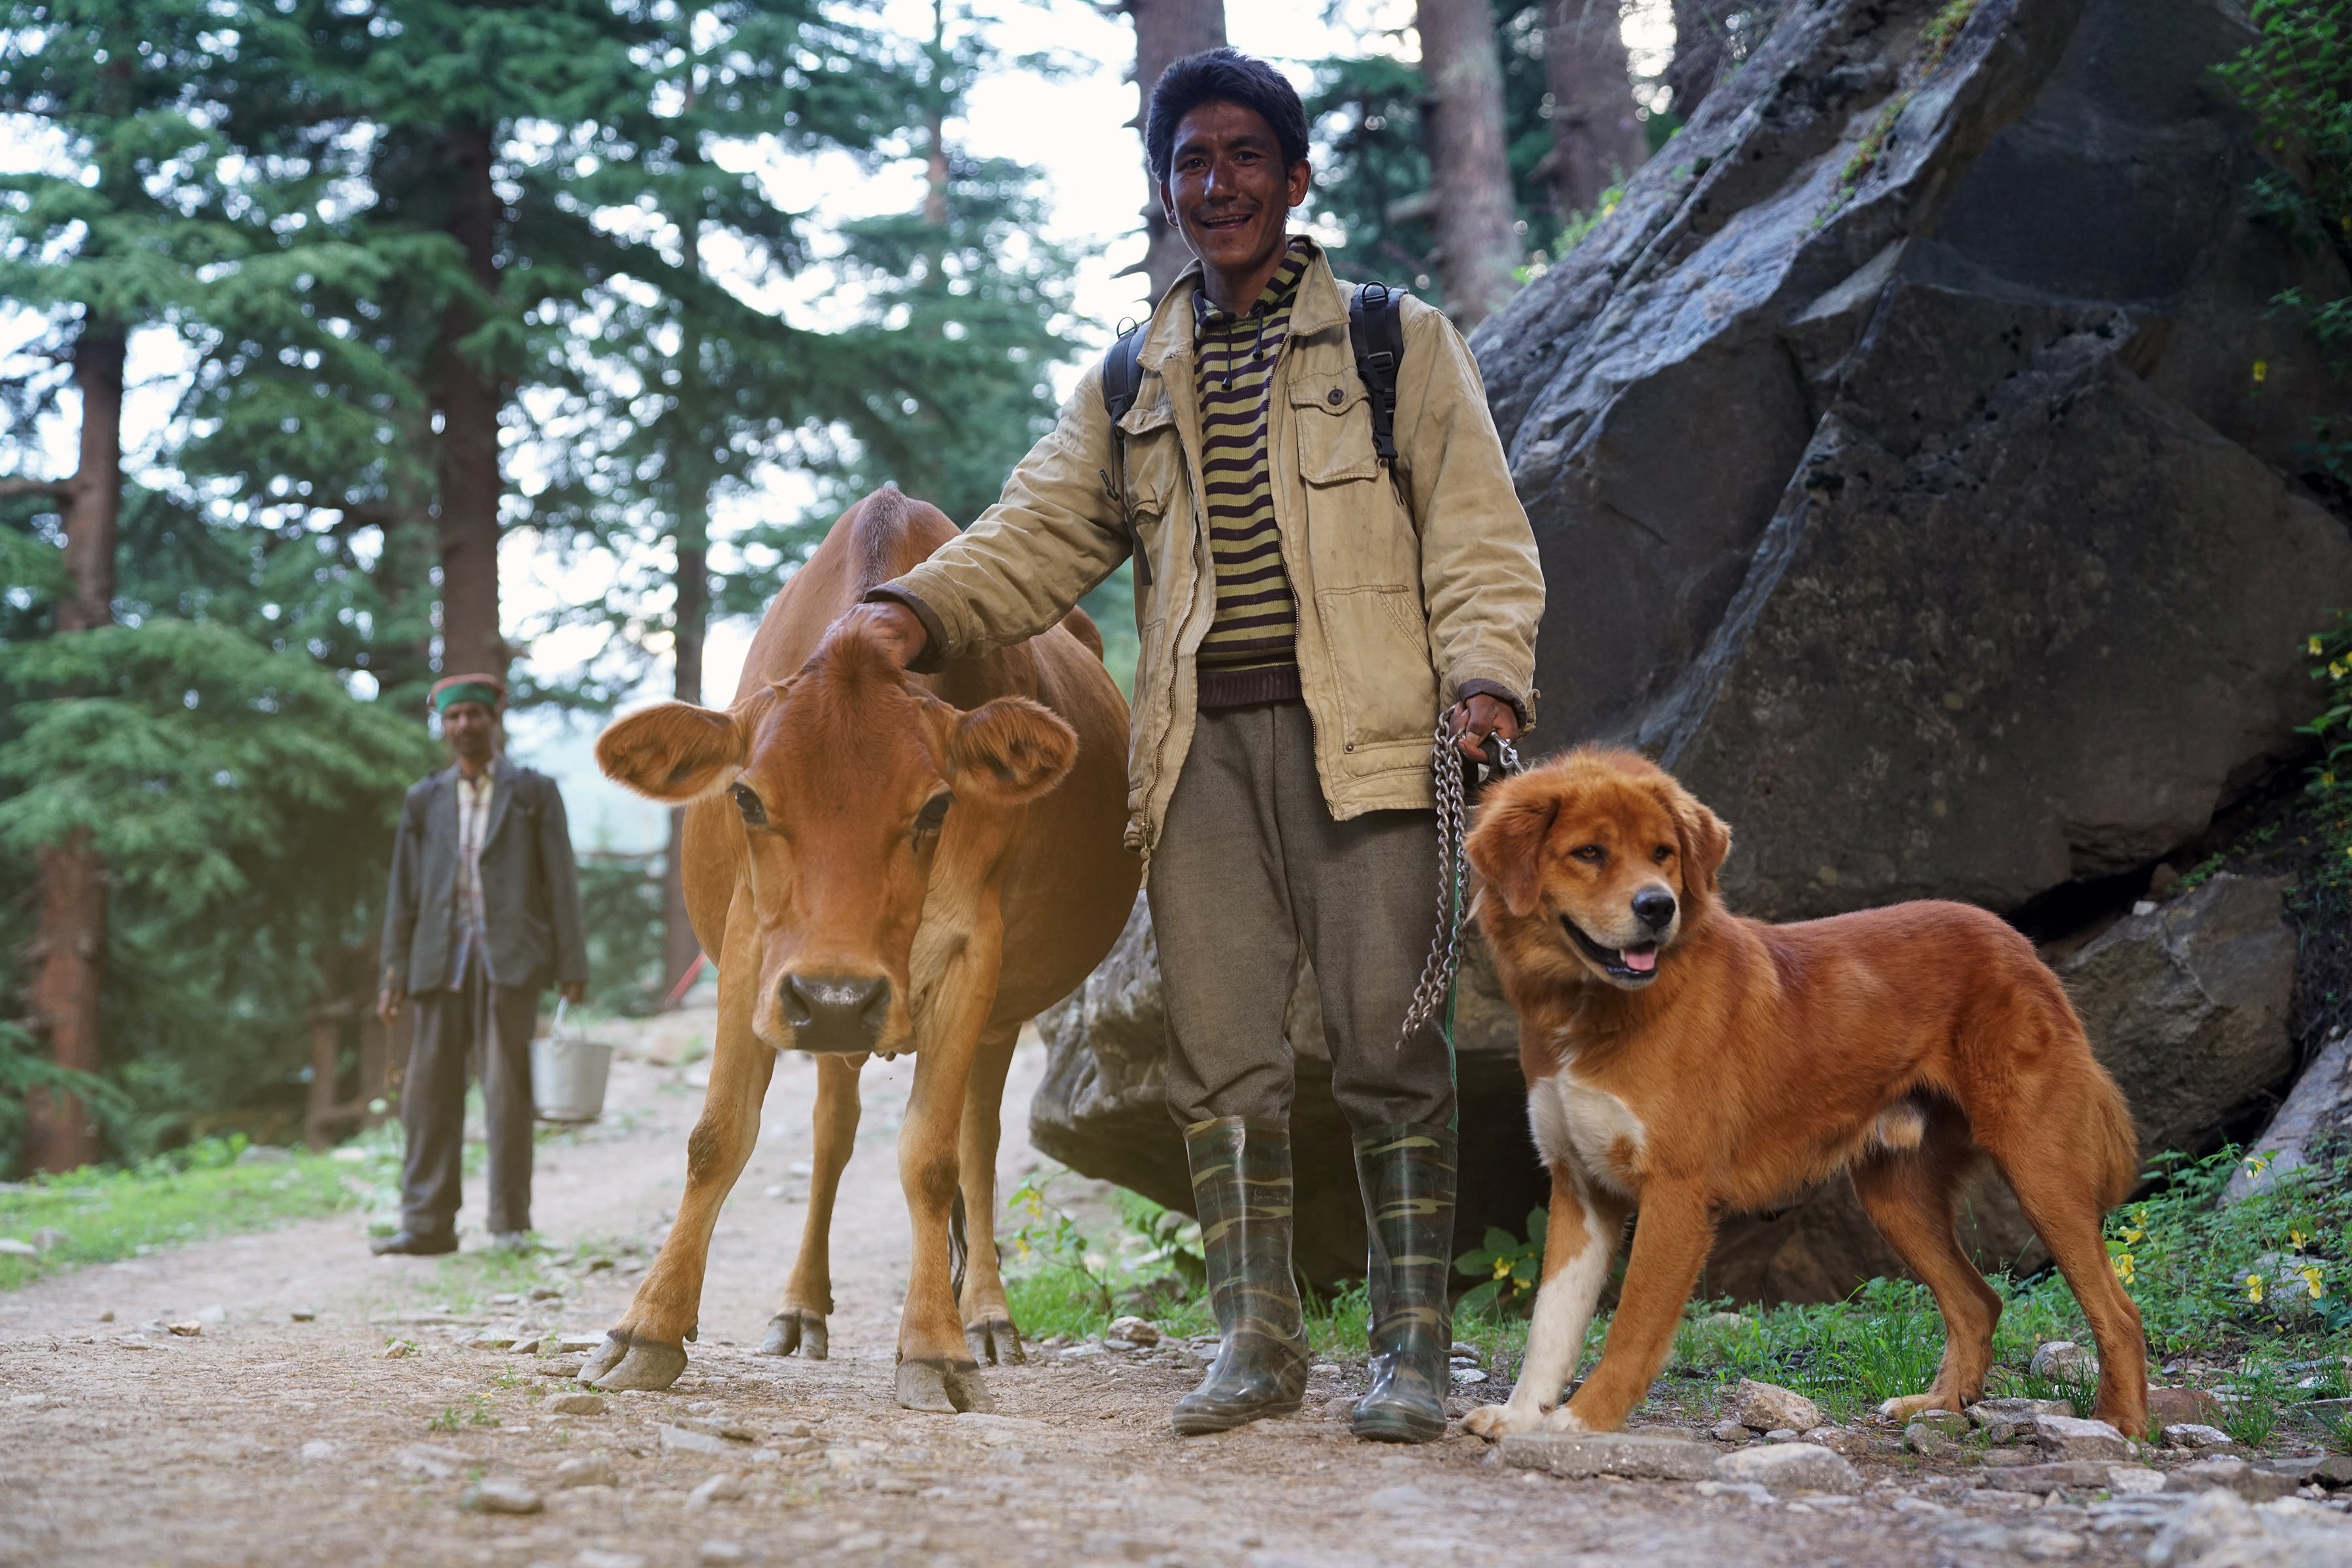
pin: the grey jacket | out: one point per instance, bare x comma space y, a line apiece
531, 889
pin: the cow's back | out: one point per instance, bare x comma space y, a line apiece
1070, 883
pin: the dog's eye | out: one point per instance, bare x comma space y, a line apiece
748, 803
1591, 854
1663, 853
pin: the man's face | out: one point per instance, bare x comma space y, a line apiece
468, 728
1227, 191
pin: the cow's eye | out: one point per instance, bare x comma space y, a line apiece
934, 812
1591, 854
747, 801
1663, 853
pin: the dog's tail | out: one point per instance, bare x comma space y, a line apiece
2113, 1136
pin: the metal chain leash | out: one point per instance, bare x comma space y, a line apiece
1453, 873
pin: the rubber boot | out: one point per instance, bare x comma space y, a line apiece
1407, 1176
1240, 1189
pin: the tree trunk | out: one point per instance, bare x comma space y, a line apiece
1595, 139
1478, 242
469, 397
1702, 33
680, 947
71, 944
1165, 32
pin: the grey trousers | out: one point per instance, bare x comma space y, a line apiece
488, 1028
1250, 869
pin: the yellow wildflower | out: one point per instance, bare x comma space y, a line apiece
2316, 648
2131, 1234
2262, 370
2123, 1262
2296, 1240
2253, 1287
2311, 1278
1502, 1268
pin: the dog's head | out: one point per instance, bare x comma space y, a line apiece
1604, 852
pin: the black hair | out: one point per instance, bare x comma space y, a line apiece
1222, 75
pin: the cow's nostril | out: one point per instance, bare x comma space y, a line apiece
835, 1012
1655, 907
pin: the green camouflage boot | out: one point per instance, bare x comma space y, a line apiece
1241, 1188
1406, 1174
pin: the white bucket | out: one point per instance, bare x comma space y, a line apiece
567, 1073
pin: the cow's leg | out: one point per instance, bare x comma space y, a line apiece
936, 1369
799, 1323
988, 1326
646, 1349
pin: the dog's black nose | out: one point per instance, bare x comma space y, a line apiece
1655, 907
835, 1012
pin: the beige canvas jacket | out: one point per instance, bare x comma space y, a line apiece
1410, 585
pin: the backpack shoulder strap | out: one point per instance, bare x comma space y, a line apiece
1376, 332
1123, 372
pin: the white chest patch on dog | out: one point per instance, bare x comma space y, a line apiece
1588, 1128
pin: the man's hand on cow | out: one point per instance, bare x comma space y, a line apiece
1475, 718
388, 1003
572, 991
900, 629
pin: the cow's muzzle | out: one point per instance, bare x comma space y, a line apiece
838, 1013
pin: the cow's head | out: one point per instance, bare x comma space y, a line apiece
856, 793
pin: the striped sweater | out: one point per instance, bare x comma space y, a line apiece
1250, 653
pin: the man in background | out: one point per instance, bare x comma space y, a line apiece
483, 916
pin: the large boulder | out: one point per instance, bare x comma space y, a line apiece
1913, 455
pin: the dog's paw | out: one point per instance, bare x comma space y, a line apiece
1498, 1421
1901, 1410
1565, 1420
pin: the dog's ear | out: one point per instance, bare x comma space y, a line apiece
1706, 841
1507, 846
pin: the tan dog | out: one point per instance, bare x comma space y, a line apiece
1686, 1062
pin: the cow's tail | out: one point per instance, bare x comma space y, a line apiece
959, 1246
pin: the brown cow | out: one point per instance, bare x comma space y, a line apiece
879, 862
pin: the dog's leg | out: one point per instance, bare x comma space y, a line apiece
1670, 1242
1581, 1237
2065, 1207
1910, 1196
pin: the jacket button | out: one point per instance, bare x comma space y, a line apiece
1348, 747
1334, 397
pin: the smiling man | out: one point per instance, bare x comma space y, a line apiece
1310, 598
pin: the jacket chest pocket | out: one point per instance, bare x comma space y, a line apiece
1152, 459
1359, 532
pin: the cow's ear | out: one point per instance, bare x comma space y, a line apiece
1010, 750
673, 752
1506, 845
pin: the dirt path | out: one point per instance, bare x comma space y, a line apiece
267, 1440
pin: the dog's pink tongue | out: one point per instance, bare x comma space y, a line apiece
1641, 960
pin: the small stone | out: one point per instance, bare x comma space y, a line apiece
107, 1316
1949, 1423
1462, 1347
721, 1487
725, 1427
2064, 1359
570, 1344
684, 1440
2192, 1435
574, 1404
49, 1238
2176, 1406
2063, 1438
1782, 1434
1931, 1442
1789, 1467
789, 1429
1727, 1431
2328, 1469
586, 1472
1463, 1376
1765, 1407
2064, 1476
1839, 1440
187, 1331
2134, 1480
11, 1248
2039, 1544
502, 1496
1135, 1330
303, 1315
1636, 1456
547, 1293
2233, 1476
720, 1552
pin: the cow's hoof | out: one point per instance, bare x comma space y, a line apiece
994, 1342
625, 1361
944, 1389
793, 1330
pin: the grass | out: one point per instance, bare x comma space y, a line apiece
190, 1194
2248, 1301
